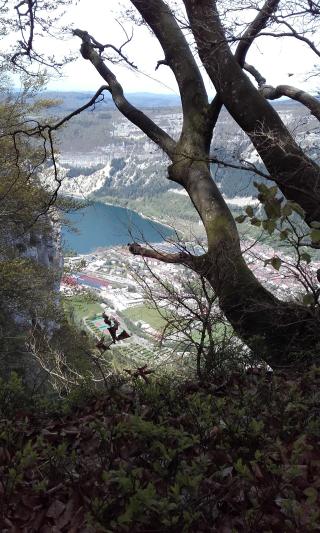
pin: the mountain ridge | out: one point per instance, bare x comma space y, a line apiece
103, 154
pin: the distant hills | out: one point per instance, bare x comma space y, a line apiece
138, 99
103, 154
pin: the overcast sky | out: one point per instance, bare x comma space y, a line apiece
275, 58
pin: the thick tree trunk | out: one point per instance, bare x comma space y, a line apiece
277, 331
297, 175
281, 333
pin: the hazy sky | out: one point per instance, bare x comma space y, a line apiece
275, 58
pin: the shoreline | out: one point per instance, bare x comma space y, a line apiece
178, 228
91, 201
116, 204
142, 215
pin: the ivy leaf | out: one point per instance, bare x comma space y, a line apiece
284, 234
315, 224
312, 495
241, 218
306, 257
298, 209
286, 210
276, 262
269, 225
273, 190
315, 235
273, 208
261, 187
242, 469
256, 222
308, 299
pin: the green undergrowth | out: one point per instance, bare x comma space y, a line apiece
238, 454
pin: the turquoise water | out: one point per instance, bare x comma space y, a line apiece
101, 225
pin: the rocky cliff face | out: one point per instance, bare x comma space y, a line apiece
101, 153
31, 264
45, 246
39, 278
42, 244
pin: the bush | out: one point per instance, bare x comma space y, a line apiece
235, 455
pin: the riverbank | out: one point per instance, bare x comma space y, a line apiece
172, 211
104, 225
124, 204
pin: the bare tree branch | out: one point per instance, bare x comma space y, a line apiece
273, 93
292, 33
247, 165
309, 101
181, 258
254, 29
261, 81
161, 62
32, 18
177, 52
156, 134
102, 47
94, 100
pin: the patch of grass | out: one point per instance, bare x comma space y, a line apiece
78, 307
145, 314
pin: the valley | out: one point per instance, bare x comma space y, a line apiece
104, 157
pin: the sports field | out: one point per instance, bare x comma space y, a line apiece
79, 307
145, 314
99, 326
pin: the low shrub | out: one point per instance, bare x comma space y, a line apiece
239, 455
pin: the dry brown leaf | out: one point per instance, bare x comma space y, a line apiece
56, 508
67, 516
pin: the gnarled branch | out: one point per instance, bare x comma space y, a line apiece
180, 258
162, 62
101, 47
309, 101
261, 81
137, 117
273, 93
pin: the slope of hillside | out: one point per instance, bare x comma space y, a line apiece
238, 454
104, 155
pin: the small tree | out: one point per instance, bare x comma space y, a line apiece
31, 261
194, 326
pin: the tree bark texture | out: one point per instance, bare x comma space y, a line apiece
277, 331
297, 176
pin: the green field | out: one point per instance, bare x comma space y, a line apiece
145, 314
78, 307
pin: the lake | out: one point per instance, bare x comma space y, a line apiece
102, 225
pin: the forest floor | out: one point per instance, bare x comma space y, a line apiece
237, 453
